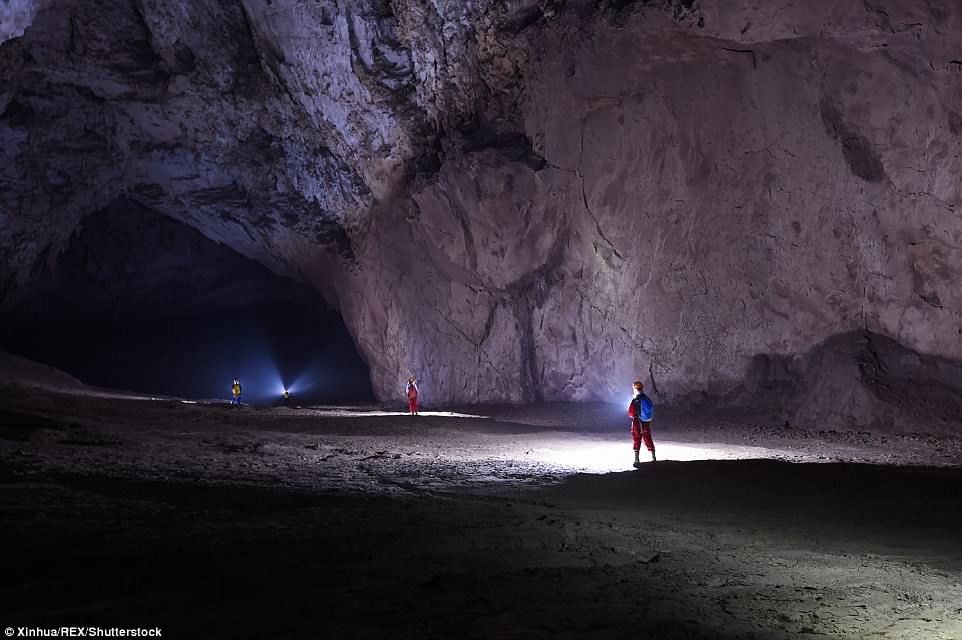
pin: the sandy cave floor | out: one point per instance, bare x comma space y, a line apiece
479, 522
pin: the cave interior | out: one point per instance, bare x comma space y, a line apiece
752, 209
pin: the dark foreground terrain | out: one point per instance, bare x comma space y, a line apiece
227, 522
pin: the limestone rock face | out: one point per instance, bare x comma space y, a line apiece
521, 200
15, 17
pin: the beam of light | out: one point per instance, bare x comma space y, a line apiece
605, 457
310, 378
259, 376
344, 412
317, 380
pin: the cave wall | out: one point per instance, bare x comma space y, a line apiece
679, 200
521, 200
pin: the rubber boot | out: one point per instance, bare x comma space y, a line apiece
637, 461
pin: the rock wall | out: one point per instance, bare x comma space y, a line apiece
522, 200
680, 199
15, 17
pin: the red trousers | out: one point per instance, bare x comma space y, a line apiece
641, 431
413, 404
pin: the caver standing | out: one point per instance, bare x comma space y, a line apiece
641, 411
411, 391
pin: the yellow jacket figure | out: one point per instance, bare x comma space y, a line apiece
236, 392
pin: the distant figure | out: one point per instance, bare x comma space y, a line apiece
641, 412
411, 390
235, 390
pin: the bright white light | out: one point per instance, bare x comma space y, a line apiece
603, 457
595, 458
348, 413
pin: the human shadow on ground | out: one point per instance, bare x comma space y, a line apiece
910, 510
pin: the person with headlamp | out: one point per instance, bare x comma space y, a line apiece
641, 411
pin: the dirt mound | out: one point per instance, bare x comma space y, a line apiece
17, 371
865, 379
857, 380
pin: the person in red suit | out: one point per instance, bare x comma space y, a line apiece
411, 390
641, 411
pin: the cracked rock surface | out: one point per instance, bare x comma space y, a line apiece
526, 200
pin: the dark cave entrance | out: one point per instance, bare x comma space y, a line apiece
141, 302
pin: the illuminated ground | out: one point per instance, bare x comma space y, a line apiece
496, 522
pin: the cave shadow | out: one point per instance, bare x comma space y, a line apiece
912, 511
141, 302
253, 562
